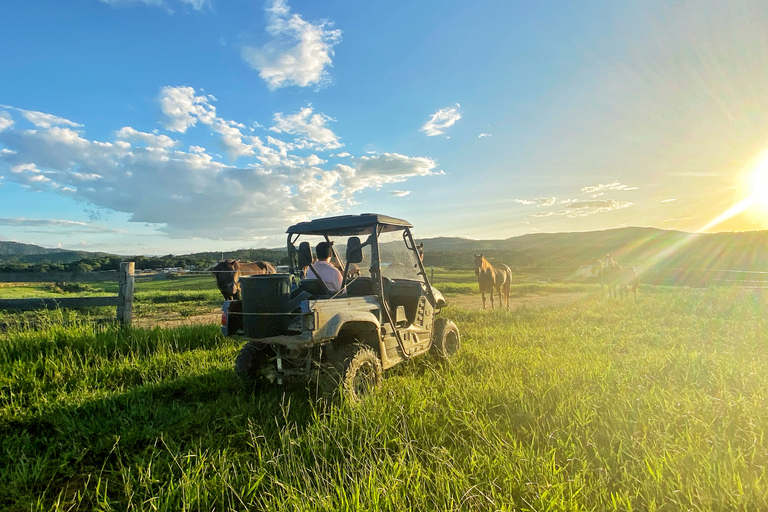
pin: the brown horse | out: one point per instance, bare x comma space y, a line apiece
618, 279
228, 272
489, 278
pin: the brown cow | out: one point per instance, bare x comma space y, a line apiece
228, 272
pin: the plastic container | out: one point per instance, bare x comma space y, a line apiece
266, 299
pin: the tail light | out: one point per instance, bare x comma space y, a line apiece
224, 314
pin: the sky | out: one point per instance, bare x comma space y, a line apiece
179, 126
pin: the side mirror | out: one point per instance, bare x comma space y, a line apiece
305, 254
354, 250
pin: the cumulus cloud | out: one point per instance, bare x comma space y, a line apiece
5, 121
191, 192
309, 127
376, 171
299, 52
149, 139
41, 120
182, 108
441, 120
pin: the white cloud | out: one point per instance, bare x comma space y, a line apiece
400, 193
150, 139
182, 108
192, 193
5, 121
484, 135
542, 201
611, 186
375, 171
441, 120
57, 224
299, 52
41, 120
309, 127
580, 208
585, 208
668, 200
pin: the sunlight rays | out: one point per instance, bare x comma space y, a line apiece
756, 185
734, 210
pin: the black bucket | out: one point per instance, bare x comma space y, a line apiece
265, 296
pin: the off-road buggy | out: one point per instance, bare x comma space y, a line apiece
386, 312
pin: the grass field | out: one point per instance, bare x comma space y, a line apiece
659, 404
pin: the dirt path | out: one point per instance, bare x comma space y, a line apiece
166, 321
475, 302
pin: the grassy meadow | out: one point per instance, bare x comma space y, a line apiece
659, 404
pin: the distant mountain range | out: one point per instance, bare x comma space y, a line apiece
15, 252
660, 255
663, 255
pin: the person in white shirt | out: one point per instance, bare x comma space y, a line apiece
327, 272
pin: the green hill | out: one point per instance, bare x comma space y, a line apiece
16, 252
661, 256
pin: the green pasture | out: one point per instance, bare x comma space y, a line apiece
659, 404
182, 295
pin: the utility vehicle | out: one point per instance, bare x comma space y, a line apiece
385, 313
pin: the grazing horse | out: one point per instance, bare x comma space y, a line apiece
228, 272
489, 278
618, 279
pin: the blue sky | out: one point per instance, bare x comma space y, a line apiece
176, 126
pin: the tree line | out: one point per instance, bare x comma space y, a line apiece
100, 263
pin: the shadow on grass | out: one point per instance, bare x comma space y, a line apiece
56, 451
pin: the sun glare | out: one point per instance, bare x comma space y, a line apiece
755, 180
759, 182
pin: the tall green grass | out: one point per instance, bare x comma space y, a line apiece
658, 404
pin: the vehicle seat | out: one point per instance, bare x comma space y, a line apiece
360, 287
313, 286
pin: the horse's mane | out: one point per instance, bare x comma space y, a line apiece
484, 263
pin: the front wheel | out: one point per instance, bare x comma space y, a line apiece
356, 371
445, 339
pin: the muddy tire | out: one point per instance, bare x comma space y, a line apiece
445, 339
354, 371
251, 359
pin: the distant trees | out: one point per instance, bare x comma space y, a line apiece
101, 263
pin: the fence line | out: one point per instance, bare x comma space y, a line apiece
123, 301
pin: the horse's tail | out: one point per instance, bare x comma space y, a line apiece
507, 276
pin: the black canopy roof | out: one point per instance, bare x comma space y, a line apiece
349, 225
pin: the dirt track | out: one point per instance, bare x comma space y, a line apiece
473, 302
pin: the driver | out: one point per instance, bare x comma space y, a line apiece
327, 272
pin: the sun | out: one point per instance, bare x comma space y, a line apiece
754, 179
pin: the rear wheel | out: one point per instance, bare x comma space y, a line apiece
445, 339
251, 359
355, 370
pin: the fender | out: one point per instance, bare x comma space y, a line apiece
330, 329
